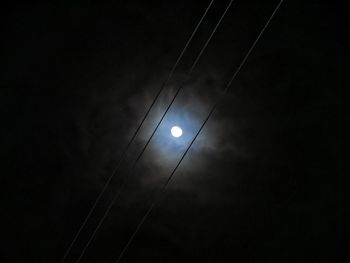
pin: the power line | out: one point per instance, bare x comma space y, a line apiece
195, 137
123, 155
148, 141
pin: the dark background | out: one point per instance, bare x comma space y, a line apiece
264, 183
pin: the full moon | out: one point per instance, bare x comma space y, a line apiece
176, 131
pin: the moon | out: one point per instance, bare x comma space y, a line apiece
176, 131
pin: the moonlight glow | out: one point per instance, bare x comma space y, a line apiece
176, 131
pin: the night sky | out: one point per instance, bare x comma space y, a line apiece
264, 181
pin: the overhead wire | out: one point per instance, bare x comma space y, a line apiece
154, 131
163, 190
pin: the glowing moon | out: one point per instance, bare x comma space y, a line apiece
176, 131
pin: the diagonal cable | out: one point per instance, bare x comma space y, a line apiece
163, 190
148, 141
123, 155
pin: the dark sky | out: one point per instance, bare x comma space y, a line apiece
264, 182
